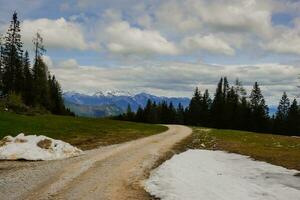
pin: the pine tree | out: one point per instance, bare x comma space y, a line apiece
180, 114
55, 102
206, 105
217, 108
40, 81
280, 123
171, 113
243, 118
40, 74
1, 64
129, 115
239, 89
12, 58
231, 108
195, 109
259, 110
27, 92
139, 117
293, 119
225, 88
242, 114
164, 109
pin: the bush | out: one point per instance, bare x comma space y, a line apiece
2, 104
14, 102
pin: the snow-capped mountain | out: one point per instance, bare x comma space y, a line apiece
112, 93
116, 101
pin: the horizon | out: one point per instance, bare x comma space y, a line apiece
100, 45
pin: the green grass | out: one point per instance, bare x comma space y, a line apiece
275, 149
84, 133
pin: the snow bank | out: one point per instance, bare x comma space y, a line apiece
32, 147
211, 175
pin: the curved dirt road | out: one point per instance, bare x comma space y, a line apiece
112, 172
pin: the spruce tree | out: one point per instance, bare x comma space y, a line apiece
259, 110
239, 89
40, 74
280, 123
218, 106
1, 64
40, 81
225, 88
171, 113
293, 119
180, 114
231, 108
129, 115
12, 58
164, 109
55, 102
27, 92
242, 114
139, 117
206, 105
195, 109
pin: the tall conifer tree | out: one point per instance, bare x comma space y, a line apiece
293, 119
12, 58
1, 63
195, 109
218, 106
40, 73
280, 123
27, 92
259, 110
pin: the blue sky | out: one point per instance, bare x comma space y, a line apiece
165, 47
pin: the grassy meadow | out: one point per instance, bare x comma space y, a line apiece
85, 133
274, 149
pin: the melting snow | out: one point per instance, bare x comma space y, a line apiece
32, 147
211, 175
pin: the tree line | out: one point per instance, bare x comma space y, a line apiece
34, 85
230, 108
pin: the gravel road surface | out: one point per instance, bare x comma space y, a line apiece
112, 172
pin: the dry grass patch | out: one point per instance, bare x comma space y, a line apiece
19, 140
44, 144
274, 149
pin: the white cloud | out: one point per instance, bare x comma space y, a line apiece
214, 15
125, 39
209, 43
177, 16
70, 63
178, 79
58, 33
287, 40
244, 16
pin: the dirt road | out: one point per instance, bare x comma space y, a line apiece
112, 172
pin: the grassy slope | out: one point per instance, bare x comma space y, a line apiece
85, 133
275, 149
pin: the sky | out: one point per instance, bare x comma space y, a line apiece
166, 48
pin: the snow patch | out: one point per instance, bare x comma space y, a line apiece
32, 147
211, 175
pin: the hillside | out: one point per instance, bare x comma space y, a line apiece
94, 111
85, 133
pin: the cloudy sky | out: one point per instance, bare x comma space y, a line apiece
165, 47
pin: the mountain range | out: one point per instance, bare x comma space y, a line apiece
110, 103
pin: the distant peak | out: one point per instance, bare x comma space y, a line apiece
113, 93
